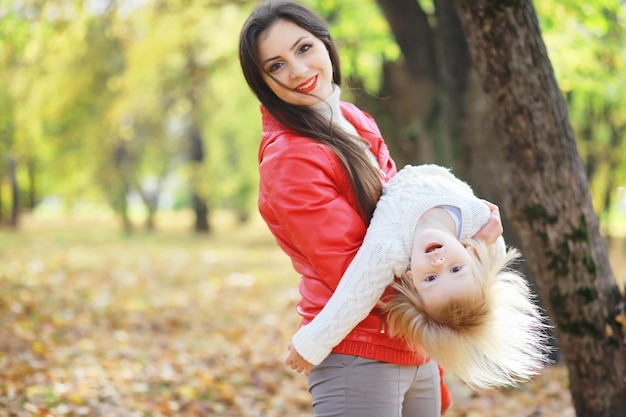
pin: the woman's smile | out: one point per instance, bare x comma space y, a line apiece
308, 86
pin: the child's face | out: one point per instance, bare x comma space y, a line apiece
441, 267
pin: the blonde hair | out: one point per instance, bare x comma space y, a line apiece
492, 336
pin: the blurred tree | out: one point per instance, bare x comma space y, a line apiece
61, 92
231, 121
150, 113
109, 96
163, 77
592, 78
17, 23
176, 53
551, 206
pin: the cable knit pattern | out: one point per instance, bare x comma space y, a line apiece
386, 249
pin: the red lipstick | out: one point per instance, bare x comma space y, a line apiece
308, 86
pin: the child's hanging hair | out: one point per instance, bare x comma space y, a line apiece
491, 336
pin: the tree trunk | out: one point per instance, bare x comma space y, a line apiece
196, 75
199, 202
455, 68
549, 202
127, 224
1, 198
15, 193
151, 209
120, 185
410, 109
32, 183
201, 209
150, 198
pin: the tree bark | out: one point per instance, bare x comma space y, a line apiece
455, 68
549, 202
409, 111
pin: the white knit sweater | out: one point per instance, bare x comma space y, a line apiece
386, 249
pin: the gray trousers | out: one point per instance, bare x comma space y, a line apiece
352, 386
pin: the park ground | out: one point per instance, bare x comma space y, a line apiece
96, 323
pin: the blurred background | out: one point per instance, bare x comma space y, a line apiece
136, 278
136, 108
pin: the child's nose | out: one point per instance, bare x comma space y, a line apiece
438, 261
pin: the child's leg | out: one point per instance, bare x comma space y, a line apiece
424, 396
351, 386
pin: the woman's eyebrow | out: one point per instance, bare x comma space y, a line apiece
292, 48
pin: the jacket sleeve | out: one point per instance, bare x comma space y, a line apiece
380, 258
304, 187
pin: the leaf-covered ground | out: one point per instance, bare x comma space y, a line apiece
96, 324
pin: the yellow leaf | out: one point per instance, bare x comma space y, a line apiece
76, 398
187, 392
226, 391
39, 348
34, 390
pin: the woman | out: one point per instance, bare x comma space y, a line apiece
322, 164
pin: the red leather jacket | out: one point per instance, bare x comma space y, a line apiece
306, 200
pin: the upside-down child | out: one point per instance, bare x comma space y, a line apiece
454, 297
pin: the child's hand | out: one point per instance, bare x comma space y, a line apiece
297, 362
493, 229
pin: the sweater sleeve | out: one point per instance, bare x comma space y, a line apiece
380, 258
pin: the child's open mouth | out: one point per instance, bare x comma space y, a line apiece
433, 247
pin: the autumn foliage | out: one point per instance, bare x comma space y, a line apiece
96, 324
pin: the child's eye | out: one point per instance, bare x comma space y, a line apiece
456, 269
430, 278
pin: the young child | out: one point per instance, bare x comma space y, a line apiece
456, 298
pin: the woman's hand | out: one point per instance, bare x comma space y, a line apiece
493, 229
297, 362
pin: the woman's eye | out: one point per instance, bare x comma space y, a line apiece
274, 67
456, 269
304, 48
430, 278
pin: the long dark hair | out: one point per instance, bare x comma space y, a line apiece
364, 178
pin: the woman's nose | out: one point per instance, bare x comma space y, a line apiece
298, 69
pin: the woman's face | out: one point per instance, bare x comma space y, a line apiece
297, 65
